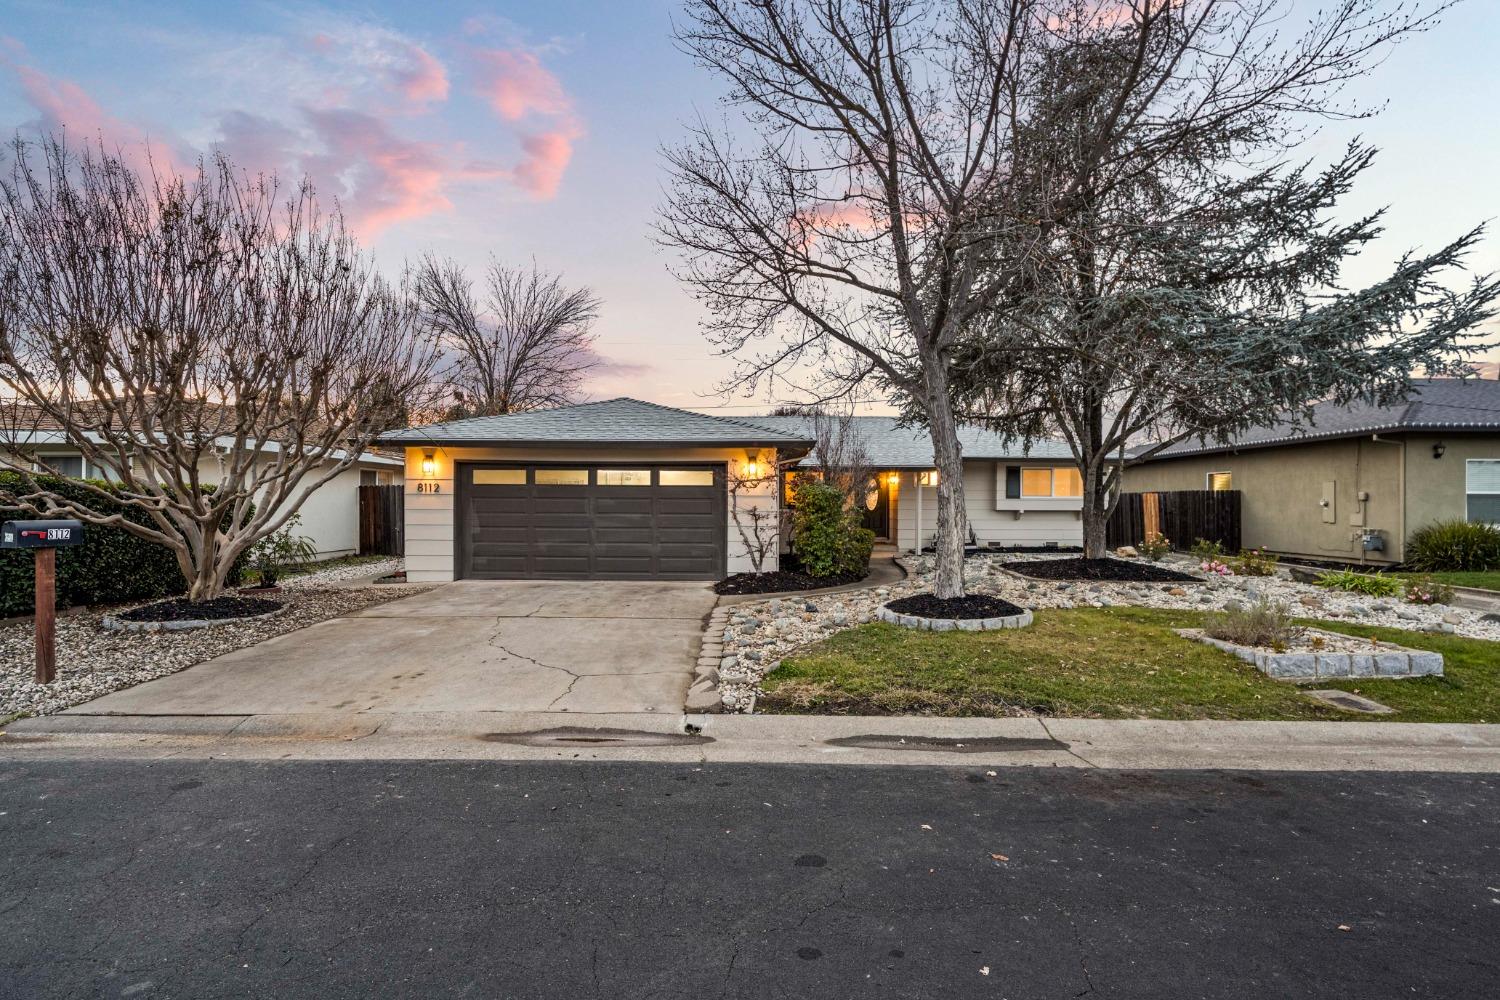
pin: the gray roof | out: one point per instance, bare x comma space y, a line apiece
620, 422
893, 446
1439, 404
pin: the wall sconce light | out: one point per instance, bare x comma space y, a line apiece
894, 478
1438, 449
429, 463
752, 463
928, 478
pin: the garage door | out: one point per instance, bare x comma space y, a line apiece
591, 522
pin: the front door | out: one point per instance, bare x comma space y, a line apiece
877, 512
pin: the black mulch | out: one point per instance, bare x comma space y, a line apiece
180, 609
781, 580
968, 606
1097, 569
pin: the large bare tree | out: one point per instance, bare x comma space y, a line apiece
871, 218
216, 348
527, 345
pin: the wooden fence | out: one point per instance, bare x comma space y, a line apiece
382, 520
1183, 516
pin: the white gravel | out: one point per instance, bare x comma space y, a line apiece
92, 661
341, 574
760, 633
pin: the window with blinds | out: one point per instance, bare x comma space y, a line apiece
1482, 486
1218, 481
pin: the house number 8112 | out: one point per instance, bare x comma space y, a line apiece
429, 488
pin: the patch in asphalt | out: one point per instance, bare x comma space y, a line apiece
932, 744
574, 736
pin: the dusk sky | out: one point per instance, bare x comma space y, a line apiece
532, 130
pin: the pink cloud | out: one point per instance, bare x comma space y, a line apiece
540, 173
516, 84
423, 79
384, 178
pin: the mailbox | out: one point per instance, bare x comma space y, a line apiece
40, 534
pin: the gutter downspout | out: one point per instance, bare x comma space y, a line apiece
1400, 488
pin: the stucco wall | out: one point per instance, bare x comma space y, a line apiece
1282, 488
1033, 525
429, 516
1435, 486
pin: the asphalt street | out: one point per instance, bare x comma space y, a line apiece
612, 880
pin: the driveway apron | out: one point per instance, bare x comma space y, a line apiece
472, 646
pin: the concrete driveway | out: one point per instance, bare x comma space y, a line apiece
472, 646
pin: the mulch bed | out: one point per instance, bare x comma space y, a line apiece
1127, 570
781, 580
219, 609
966, 607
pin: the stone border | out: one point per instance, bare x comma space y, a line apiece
1021, 620
121, 625
703, 693
1387, 660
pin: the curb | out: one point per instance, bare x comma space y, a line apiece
954, 624
703, 696
114, 624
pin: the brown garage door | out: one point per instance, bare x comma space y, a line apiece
591, 522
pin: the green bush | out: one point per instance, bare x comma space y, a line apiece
110, 567
1371, 585
1260, 624
1255, 562
1155, 546
1425, 590
1454, 546
1207, 551
827, 537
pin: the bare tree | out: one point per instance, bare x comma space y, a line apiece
840, 454
760, 525
859, 234
217, 351
528, 345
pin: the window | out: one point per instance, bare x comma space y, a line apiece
562, 477
1220, 481
1482, 487
687, 477
1063, 481
622, 477
74, 467
499, 477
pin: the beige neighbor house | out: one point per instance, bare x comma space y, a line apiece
624, 489
1354, 485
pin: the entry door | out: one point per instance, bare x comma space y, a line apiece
591, 522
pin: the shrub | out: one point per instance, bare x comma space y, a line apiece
1426, 590
110, 567
1155, 547
1213, 567
827, 537
1259, 624
1256, 562
279, 552
1204, 550
1454, 546
1369, 584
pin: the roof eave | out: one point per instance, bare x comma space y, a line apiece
1340, 435
450, 442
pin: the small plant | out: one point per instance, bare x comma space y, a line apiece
1454, 546
1369, 584
1215, 567
1204, 550
1260, 624
1256, 562
278, 552
1155, 547
1426, 590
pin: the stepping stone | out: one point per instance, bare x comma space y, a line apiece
1349, 702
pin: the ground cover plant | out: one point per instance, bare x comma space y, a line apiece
1259, 624
1369, 584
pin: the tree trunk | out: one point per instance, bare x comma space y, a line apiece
1095, 513
952, 520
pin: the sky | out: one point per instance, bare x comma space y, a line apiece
532, 131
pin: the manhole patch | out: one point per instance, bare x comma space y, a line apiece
1348, 701
957, 744
602, 739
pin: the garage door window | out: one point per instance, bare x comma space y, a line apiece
622, 477
687, 477
499, 477
562, 477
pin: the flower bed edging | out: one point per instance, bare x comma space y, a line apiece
120, 625
1384, 660
954, 624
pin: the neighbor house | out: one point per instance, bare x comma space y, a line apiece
624, 489
1355, 484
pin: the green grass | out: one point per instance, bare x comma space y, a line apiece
1108, 663
1487, 579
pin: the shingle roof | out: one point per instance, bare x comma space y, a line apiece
890, 445
1439, 404
621, 421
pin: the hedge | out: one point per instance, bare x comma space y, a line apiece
112, 566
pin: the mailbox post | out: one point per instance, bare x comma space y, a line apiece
43, 538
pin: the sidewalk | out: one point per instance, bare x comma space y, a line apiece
1085, 743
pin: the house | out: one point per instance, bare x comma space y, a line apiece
1355, 484
329, 517
625, 489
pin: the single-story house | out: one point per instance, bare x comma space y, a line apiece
329, 517
1355, 484
625, 489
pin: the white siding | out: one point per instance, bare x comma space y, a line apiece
982, 493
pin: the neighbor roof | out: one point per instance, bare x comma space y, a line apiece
620, 422
1438, 404
890, 445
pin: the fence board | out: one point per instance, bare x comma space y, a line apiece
1183, 516
382, 520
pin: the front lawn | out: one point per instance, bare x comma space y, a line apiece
1485, 579
1110, 663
